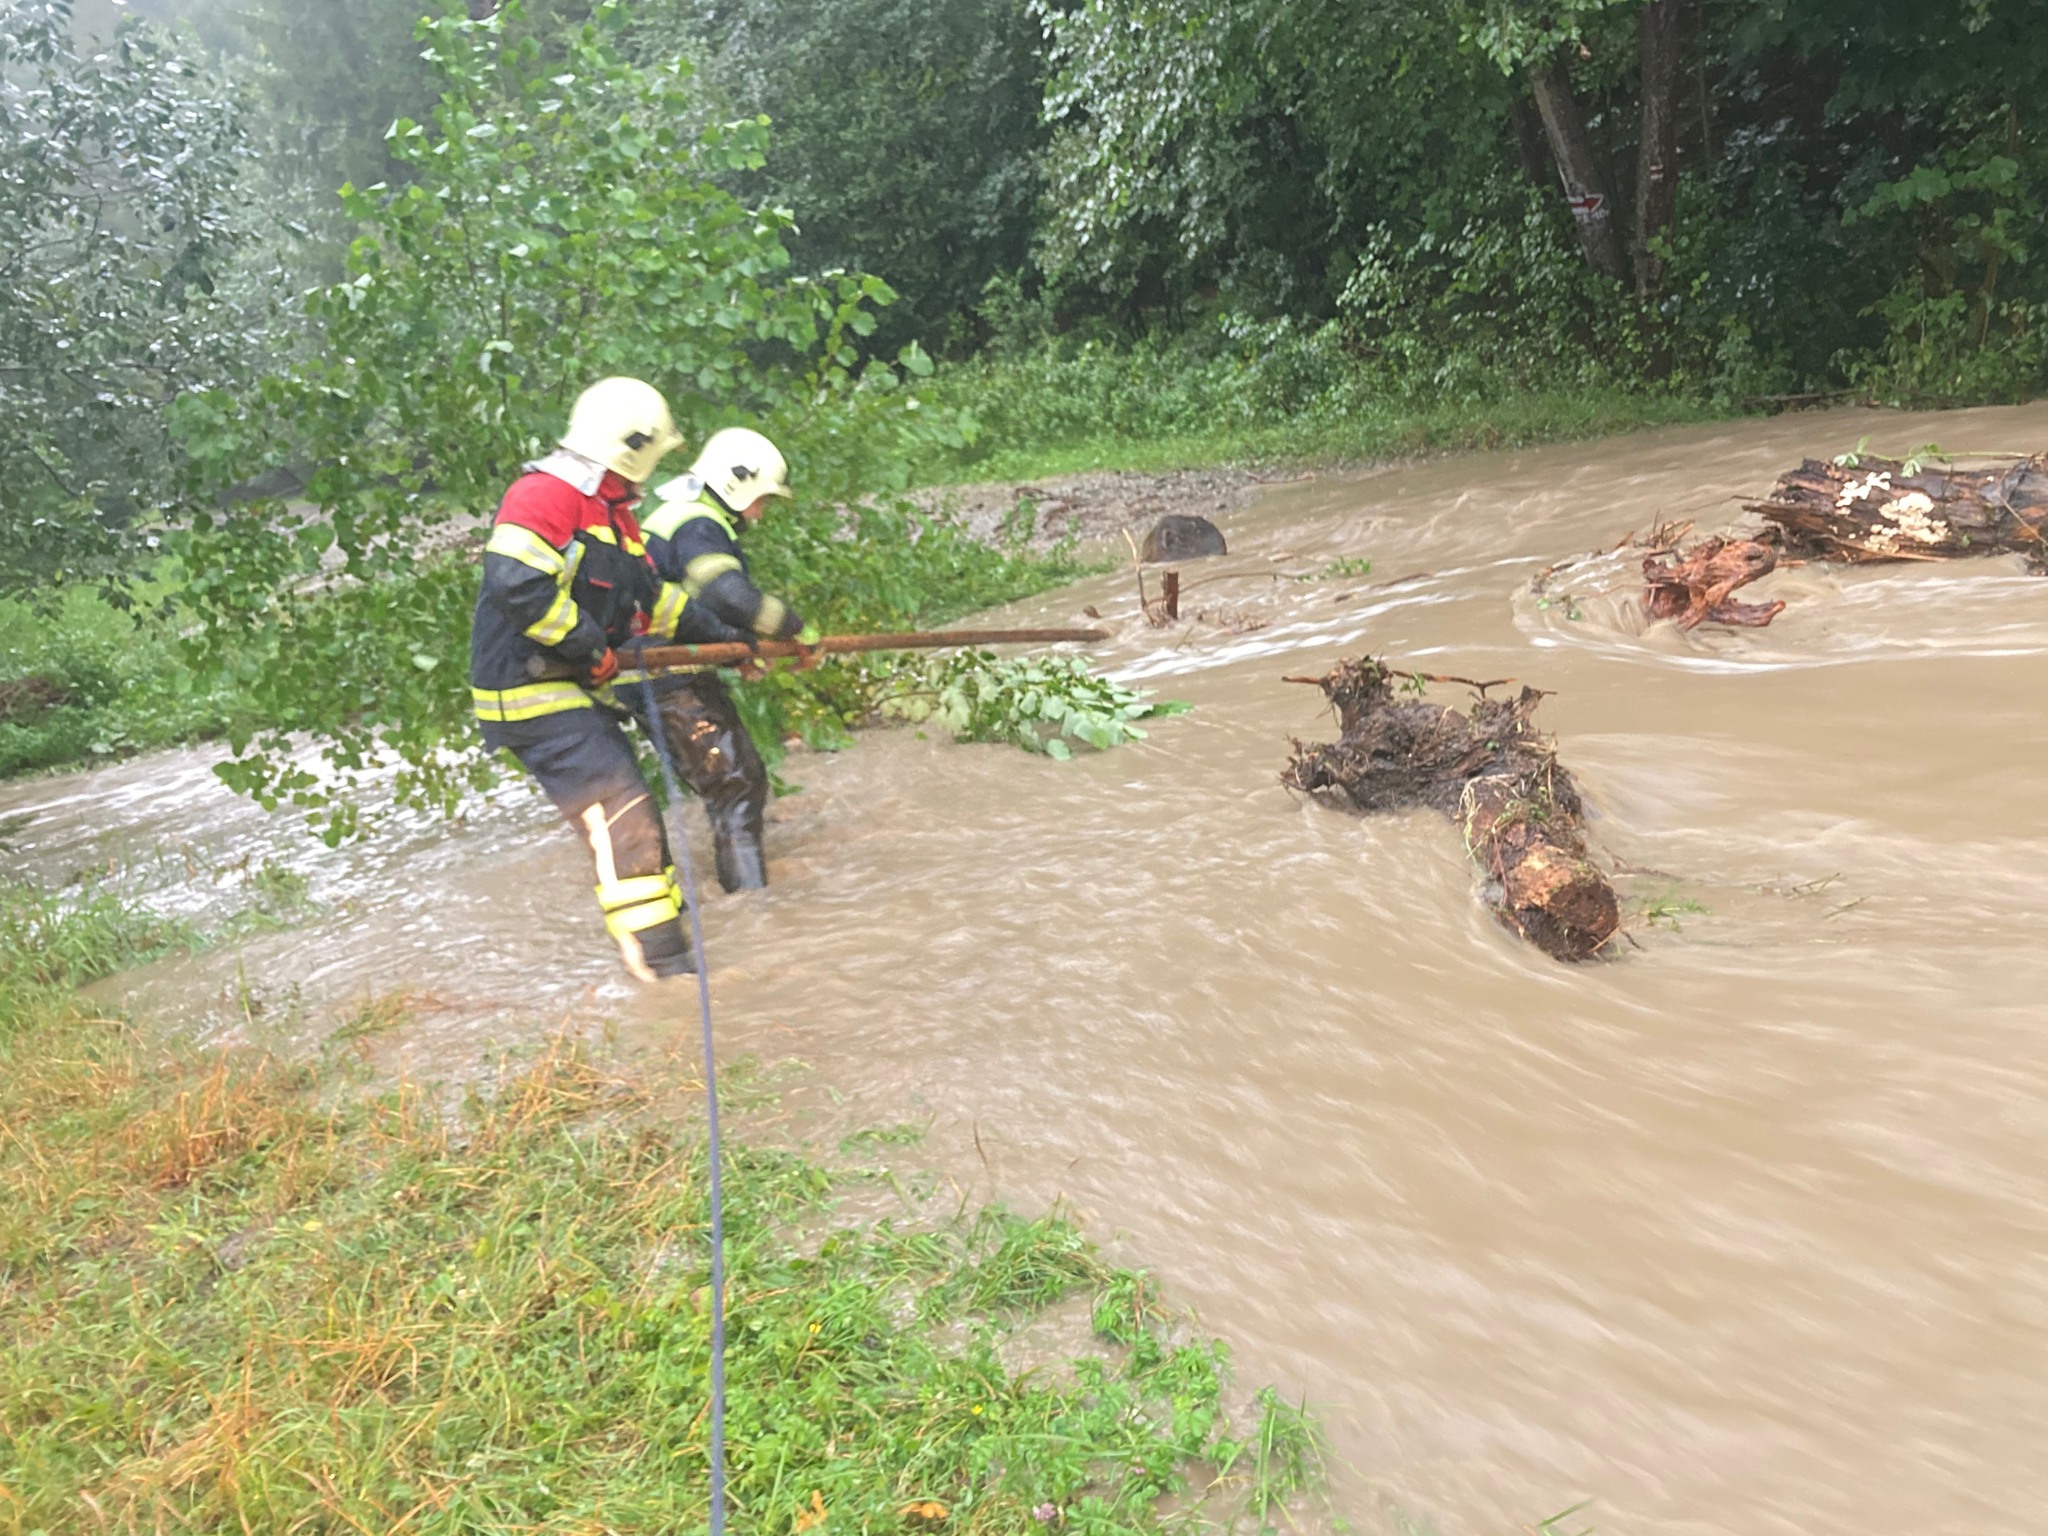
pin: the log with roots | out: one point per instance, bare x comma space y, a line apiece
1875, 511
1693, 588
1494, 774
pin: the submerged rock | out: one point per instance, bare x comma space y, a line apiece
1182, 536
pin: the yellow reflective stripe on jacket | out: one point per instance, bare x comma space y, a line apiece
668, 610
603, 533
665, 519
769, 616
529, 701
527, 547
554, 626
705, 569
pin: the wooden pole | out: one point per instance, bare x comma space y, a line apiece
659, 658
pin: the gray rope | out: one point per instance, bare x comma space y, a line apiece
680, 847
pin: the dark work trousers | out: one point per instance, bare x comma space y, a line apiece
587, 768
714, 752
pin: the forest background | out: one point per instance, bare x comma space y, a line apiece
288, 291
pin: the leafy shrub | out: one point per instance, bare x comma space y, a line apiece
1039, 703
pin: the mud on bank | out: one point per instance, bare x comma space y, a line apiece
1041, 513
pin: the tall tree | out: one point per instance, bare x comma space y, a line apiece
119, 203
1657, 144
1585, 189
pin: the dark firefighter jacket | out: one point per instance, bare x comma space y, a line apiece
695, 542
566, 575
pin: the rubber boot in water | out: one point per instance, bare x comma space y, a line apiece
741, 866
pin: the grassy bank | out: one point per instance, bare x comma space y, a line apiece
239, 1294
1051, 411
87, 683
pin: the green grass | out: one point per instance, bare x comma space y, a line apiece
1156, 409
125, 687
241, 1294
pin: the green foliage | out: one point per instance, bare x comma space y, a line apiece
1364, 159
122, 684
559, 225
1039, 703
907, 137
242, 1298
118, 231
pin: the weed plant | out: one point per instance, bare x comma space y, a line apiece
239, 1295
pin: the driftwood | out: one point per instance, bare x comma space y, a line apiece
1877, 511
1489, 770
1693, 587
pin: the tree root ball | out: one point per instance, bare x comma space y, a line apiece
1693, 587
1490, 771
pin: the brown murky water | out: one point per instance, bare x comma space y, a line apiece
1745, 1231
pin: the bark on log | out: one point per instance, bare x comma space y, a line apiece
1490, 771
1876, 511
1693, 588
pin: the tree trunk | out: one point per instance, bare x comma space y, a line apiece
1529, 146
1876, 511
1572, 148
482, 10
1657, 162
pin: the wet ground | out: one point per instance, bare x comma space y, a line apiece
1743, 1230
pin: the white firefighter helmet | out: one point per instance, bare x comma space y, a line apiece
739, 466
624, 425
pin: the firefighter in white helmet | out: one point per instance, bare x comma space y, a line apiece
566, 582
693, 537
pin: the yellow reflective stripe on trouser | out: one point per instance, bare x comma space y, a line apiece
668, 610
554, 626
529, 701
527, 547
644, 901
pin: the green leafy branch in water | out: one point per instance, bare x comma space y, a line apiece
1912, 464
1039, 703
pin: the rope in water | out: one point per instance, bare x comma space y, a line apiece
680, 848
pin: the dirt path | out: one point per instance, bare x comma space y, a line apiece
1094, 505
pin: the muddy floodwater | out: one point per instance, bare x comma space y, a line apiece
1743, 1231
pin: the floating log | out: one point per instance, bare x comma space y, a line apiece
1490, 771
1875, 510
1692, 589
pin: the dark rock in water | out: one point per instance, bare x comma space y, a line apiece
1182, 536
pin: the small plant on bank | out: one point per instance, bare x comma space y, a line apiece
1039, 703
